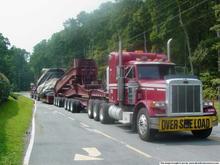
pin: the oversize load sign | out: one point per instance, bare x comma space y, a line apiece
185, 123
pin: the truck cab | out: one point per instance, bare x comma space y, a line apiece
155, 98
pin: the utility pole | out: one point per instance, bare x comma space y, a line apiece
218, 35
145, 43
186, 37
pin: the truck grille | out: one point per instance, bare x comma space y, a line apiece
185, 98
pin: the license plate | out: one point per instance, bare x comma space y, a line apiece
185, 123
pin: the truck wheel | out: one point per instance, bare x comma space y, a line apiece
71, 105
58, 101
65, 104
54, 101
90, 108
103, 114
96, 110
68, 104
77, 106
62, 102
143, 126
202, 133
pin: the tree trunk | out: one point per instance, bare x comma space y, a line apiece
186, 37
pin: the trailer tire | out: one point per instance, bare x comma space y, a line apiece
73, 110
202, 133
65, 104
103, 114
96, 110
68, 104
58, 101
90, 108
143, 126
77, 106
54, 101
38, 98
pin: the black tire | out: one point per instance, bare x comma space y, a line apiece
96, 110
77, 106
68, 104
71, 104
65, 104
103, 114
54, 101
202, 133
61, 102
38, 98
58, 101
143, 126
90, 108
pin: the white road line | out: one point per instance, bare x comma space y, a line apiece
61, 113
92, 151
138, 151
106, 135
71, 118
121, 142
84, 125
32, 135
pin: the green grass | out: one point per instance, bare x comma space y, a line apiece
217, 106
15, 118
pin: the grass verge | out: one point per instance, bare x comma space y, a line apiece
15, 118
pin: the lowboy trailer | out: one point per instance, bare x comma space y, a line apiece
143, 90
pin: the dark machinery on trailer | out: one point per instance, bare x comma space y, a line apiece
78, 84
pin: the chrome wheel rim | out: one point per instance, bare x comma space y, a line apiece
142, 124
94, 114
89, 111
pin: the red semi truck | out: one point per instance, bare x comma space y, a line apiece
142, 89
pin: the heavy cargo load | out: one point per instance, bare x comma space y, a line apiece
44, 88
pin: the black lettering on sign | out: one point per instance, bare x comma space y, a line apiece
175, 124
164, 124
202, 123
208, 123
171, 124
181, 124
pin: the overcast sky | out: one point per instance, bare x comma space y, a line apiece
27, 22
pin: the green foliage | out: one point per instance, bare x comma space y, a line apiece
96, 34
13, 63
210, 84
15, 117
216, 27
4, 88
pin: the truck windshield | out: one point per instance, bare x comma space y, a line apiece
155, 71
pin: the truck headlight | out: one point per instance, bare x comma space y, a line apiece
208, 103
158, 104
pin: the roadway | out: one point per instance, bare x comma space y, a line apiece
63, 138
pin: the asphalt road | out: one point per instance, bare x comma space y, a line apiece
64, 138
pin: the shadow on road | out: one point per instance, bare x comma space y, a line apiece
176, 138
183, 138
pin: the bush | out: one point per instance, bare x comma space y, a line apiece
210, 83
4, 87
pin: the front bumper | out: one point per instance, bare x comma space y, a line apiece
155, 122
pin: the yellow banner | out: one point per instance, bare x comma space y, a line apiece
185, 123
